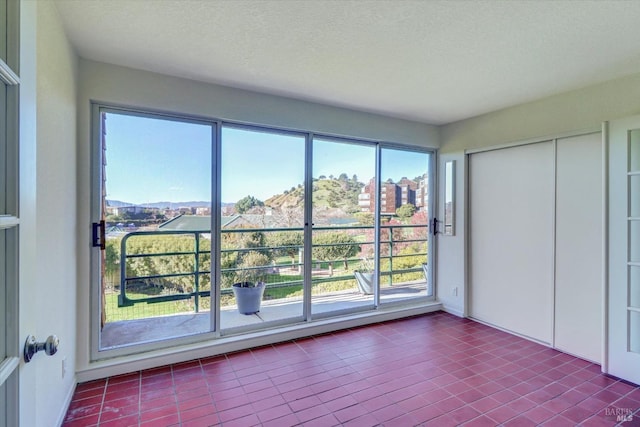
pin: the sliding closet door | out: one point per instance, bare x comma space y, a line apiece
578, 304
511, 240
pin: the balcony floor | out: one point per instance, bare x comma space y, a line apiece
431, 370
127, 332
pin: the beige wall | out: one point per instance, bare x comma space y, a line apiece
129, 87
571, 111
51, 288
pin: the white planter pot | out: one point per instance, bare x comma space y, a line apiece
365, 282
248, 298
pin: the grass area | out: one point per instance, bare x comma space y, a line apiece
144, 310
286, 292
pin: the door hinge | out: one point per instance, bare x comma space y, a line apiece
98, 236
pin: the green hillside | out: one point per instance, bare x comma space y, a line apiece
341, 193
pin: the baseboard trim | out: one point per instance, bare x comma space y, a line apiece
454, 311
67, 403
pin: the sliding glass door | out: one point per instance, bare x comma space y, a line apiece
343, 277
261, 235
405, 273
156, 236
205, 229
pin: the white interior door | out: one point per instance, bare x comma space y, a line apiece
578, 250
623, 344
536, 239
511, 246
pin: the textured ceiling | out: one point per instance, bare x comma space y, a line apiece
431, 61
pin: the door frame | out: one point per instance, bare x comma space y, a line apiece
604, 190
9, 214
618, 359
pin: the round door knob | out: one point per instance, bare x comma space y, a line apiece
31, 347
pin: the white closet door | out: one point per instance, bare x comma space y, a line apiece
579, 240
511, 239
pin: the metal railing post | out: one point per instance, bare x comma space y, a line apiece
196, 272
391, 255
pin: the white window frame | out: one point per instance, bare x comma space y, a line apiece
98, 353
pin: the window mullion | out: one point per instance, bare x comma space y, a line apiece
308, 227
216, 226
376, 227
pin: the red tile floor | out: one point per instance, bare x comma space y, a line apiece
434, 369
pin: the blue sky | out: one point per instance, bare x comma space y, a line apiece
151, 160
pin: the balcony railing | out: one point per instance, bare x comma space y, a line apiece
187, 271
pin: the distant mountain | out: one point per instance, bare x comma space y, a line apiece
117, 203
163, 205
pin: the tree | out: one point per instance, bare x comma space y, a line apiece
231, 256
128, 216
250, 239
335, 245
246, 203
148, 263
364, 218
253, 268
289, 242
406, 211
112, 260
333, 199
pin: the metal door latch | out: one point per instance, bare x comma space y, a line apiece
98, 234
434, 226
31, 347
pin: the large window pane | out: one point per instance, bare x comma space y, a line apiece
404, 212
3, 298
9, 401
3, 30
9, 160
206, 228
343, 238
262, 227
3, 405
156, 195
3, 149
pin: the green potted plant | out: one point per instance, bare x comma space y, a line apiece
364, 276
249, 282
